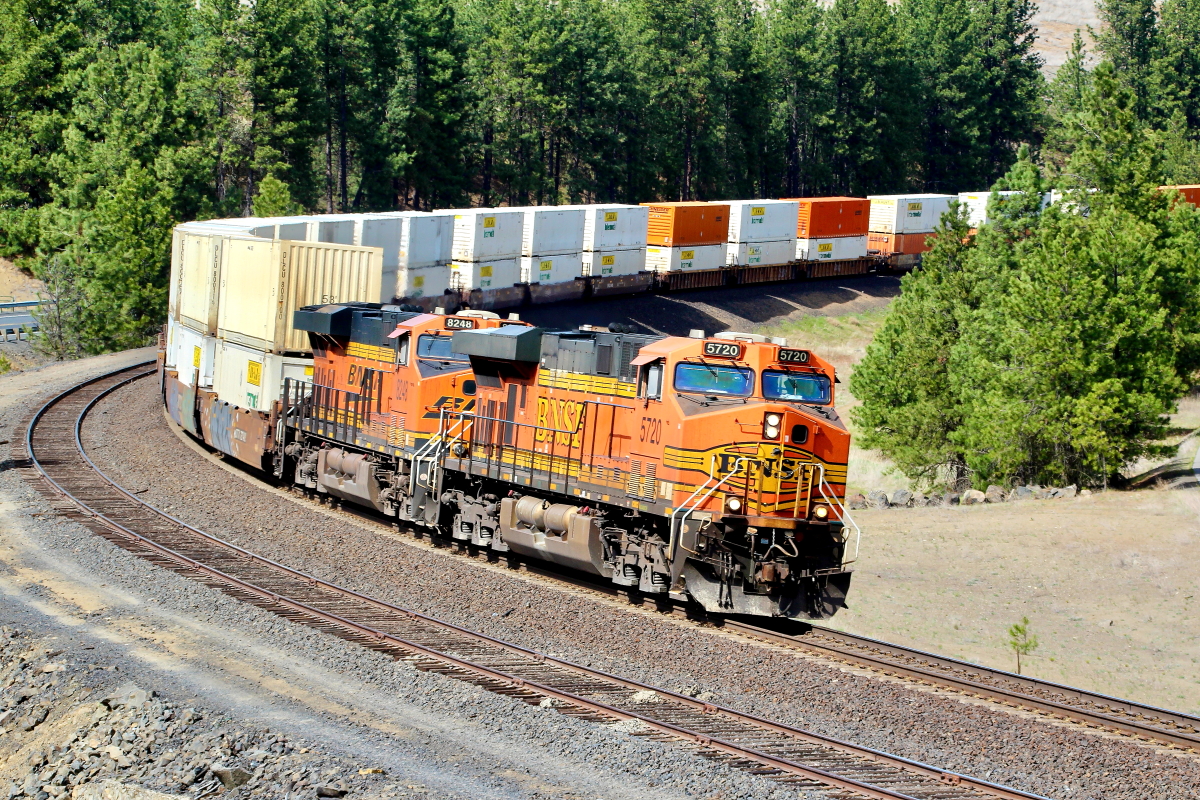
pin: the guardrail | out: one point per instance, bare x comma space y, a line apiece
17, 318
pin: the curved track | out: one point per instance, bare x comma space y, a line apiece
56, 460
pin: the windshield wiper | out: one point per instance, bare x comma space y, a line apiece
711, 399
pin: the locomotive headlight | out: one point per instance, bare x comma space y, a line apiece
821, 512
771, 426
733, 504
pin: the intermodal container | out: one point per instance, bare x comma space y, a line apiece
898, 243
827, 217
409, 240
251, 378
762, 220
977, 204
191, 354
831, 248
500, 273
908, 213
687, 224
600, 263
264, 282
680, 259
487, 234
414, 283
760, 254
614, 226
1190, 192
195, 276
552, 230
556, 268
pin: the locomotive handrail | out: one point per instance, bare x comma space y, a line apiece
677, 525
833, 499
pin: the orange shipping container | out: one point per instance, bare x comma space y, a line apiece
686, 224
902, 243
827, 217
1191, 192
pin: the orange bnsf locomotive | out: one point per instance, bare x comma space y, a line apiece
704, 468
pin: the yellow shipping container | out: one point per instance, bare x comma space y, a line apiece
264, 282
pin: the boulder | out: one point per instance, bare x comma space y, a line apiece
330, 791
877, 499
973, 497
128, 696
994, 494
936, 499
919, 500
1021, 493
857, 501
230, 777
1041, 492
953, 498
902, 498
1085, 492
1067, 491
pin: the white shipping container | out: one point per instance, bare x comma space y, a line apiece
487, 234
675, 259
760, 254
558, 268
837, 248
418, 282
552, 230
977, 203
193, 356
292, 229
263, 283
907, 213
427, 240
614, 227
614, 262
762, 220
333, 228
250, 378
497, 274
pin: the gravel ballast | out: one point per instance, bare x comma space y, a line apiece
1055, 760
125, 623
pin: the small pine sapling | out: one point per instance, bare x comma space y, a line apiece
1021, 641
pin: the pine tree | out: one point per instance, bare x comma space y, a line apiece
1129, 39
274, 199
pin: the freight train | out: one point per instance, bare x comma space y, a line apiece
708, 469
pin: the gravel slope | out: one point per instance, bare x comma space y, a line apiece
1015, 749
120, 620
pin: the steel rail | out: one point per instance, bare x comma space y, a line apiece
1173, 728
713, 728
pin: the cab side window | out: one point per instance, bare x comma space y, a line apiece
402, 350
650, 386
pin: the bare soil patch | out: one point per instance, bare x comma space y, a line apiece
1110, 583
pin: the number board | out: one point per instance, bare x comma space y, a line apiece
723, 349
793, 356
458, 323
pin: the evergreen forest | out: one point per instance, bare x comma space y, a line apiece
1049, 346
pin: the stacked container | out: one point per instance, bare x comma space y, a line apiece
232, 295
761, 232
417, 251
552, 244
831, 228
614, 239
485, 249
976, 204
686, 236
900, 223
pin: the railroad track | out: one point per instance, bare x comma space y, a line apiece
1143, 722
56, 461
1148, 723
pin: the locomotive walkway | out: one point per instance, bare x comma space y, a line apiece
55, 460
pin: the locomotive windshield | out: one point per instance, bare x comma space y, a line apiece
437, 347
799, 387
711, 379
